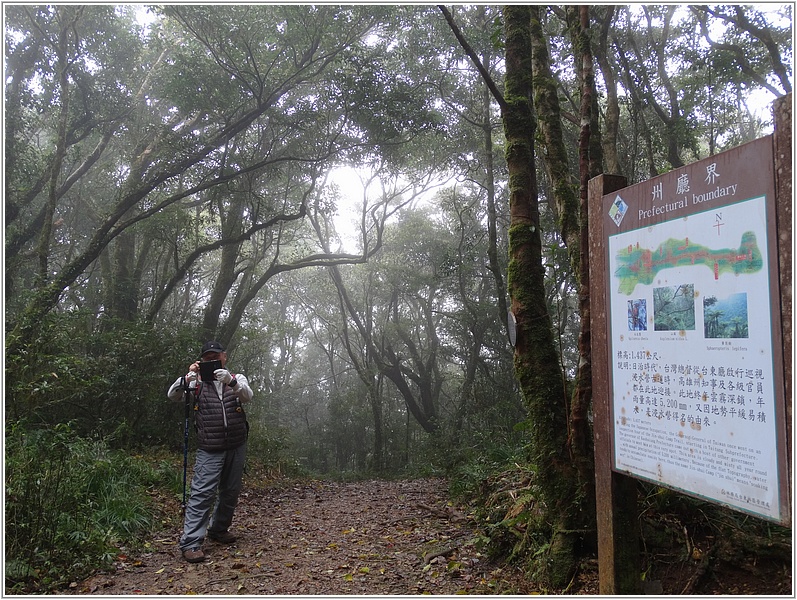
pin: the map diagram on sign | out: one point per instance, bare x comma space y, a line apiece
637, 265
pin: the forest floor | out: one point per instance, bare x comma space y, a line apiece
310, 537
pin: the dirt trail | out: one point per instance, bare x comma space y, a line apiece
367, 538
404, 538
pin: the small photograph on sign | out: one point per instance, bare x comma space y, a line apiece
725, 317
674, 308
618, 210
638, 315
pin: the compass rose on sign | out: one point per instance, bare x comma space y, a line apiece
718, 222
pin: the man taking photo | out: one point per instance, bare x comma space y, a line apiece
221, 426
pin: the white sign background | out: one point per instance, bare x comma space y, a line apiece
678, 395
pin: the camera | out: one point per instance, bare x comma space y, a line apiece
206, 369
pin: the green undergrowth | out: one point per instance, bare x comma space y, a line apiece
71, 503
675, 528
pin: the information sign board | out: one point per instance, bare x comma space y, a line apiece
696, 360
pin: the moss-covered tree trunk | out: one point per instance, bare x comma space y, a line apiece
572, 224
536, 361
589, 153
546, 102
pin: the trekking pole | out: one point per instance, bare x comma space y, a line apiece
187, 396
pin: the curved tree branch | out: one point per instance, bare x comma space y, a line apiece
499, 97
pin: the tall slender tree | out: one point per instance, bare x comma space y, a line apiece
536, 361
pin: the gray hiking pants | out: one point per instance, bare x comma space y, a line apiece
220, 471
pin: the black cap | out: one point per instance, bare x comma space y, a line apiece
211, 347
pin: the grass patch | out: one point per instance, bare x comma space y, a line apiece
70, 503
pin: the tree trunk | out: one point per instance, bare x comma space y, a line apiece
375, 401
492, 217
536, 361
611, 126
546, 103
580, 435
123, 288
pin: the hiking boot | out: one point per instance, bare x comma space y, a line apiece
194, 556
223, 537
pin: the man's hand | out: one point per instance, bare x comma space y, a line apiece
222, 375
190, 376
